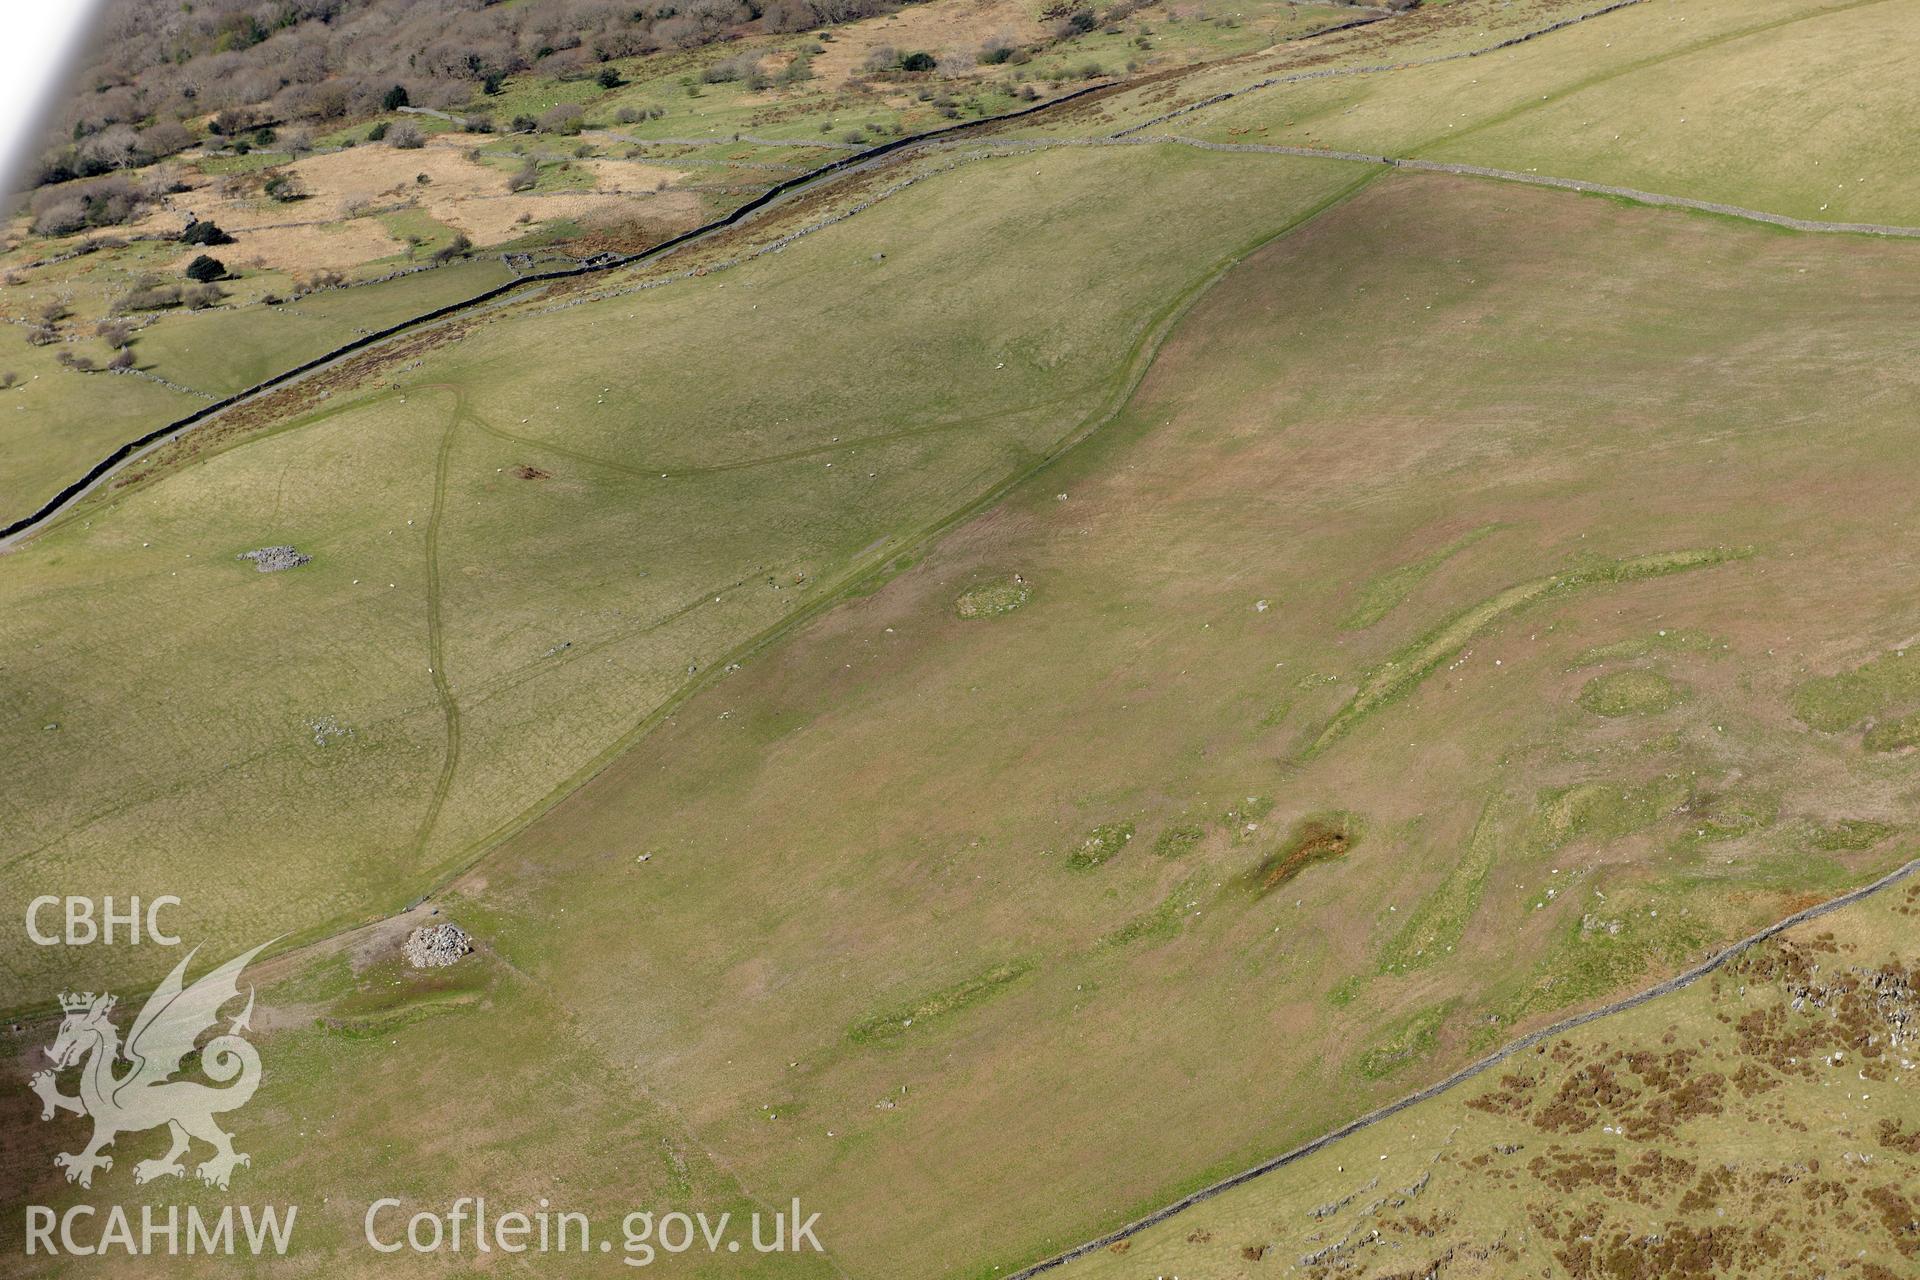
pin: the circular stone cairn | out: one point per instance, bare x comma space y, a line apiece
434, 946
995, 599
275, 559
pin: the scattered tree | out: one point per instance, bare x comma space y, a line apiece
149, 293
996, 50
458, 247
165, 138
320, 280
60, 218
1077, 23
564, 119
206, 269
230, 121
203, 231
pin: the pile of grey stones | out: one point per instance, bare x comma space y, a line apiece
274, 559
434, 946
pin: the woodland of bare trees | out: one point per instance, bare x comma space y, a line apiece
158, 75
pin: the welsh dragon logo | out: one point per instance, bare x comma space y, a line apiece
144, 1096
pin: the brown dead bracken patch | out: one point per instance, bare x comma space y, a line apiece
1314, 841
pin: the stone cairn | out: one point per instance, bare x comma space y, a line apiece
434, 946
274, 559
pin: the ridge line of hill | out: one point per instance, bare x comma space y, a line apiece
1326, 73
1656, 198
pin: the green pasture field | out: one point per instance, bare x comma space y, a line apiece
489, 639
1710, 118
63, 422
1428, 104
55, 423
1789, 106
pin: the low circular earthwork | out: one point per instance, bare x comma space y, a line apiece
994, 599
1633, 692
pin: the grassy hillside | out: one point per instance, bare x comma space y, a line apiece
879, 857
907, 801
1789, 106
1038, 676
518, 563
